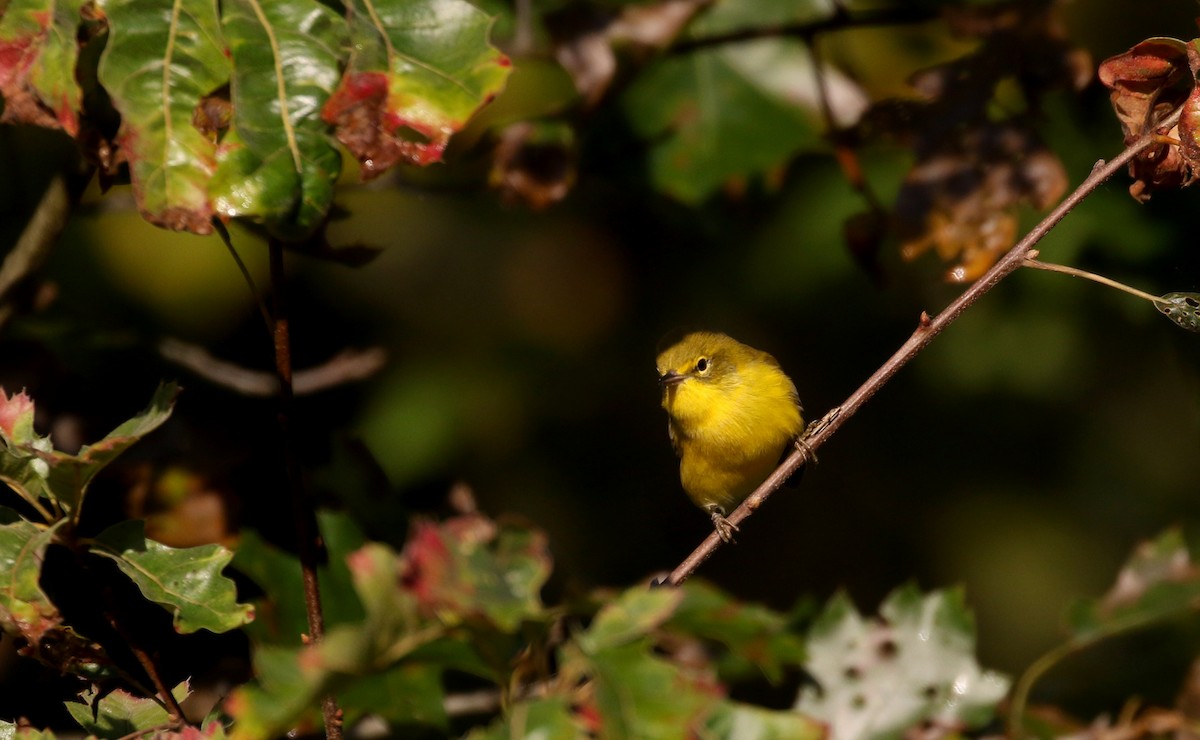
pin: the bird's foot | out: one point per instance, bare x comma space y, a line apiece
724, 527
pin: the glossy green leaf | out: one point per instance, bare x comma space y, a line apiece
730, 112
913, 666
546, 719
630, 618
186, 581
119, 713
748, 722
161, 59
25, 610
418, 70
1182, 308
38, 52
278, 165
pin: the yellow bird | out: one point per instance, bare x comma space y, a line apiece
731, 414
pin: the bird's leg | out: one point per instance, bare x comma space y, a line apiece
724, 527
824, 421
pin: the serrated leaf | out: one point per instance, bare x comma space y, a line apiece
418, 70
730, 112
916, 665
186, 581
748, 722
38, 52
471, 566
161, 59
119, 713
1182, 308
25, 610
278, 166
630, 618
545, 719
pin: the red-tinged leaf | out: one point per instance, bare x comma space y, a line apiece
470, 566
162, 60
38, 52
16, 417
419, 69
277, 165
119, 713
28, 614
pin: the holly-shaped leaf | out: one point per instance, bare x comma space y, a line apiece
186, 581
38, 52
119, 713
25, 610
418, 70
914, 666
278, 165
161, 60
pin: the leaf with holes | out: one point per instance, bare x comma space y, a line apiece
1182, 308
913, 665
187, 581
277, 165
159, 76
418, 70
38, 52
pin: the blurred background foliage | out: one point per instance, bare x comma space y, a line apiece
1022, 456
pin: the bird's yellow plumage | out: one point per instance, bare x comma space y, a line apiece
731, 413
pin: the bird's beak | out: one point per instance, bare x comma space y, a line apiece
670, 378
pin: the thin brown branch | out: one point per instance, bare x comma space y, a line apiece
39, 234
347, 366
223, 232
927, 329
308, 539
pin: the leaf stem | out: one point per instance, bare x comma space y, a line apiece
1076, 272
223, 232
927, 329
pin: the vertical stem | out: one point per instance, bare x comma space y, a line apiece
308, 539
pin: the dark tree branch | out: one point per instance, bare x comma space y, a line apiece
927, 329
308, 539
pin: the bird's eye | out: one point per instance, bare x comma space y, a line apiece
701, 364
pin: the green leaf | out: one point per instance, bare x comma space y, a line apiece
418, 70
281, 614
186, 581
1182, 308
470, 566
546, 719
16, 418
10, 731
752, 633
161, 59
119, 713
729, 112
284, 691
640, 695
38, 52
748, 722
36, 471
727, 16
278, 166
1158, 582
402, 695
26, 611
630, 618
881, 677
